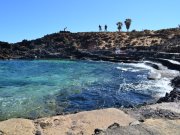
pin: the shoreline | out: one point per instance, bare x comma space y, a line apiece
153, 64
164, 111
100, 122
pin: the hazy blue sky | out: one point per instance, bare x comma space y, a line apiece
30, 19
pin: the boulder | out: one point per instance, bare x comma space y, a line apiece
176, 82
154, 75
173, 96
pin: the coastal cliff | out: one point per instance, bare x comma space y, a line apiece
134, 45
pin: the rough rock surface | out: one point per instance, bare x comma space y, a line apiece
80, 123
83, 122
176, 82
149, 127
98, 46
174, 95
99, 122
171, 107
17, 127
169, 110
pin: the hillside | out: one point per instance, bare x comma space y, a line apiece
97, 45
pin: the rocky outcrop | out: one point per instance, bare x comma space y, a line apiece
97, 46
83, 122
157, 119
17, 127
174, 95
98, 122
176, 82
74, 124
170, 110
149, 127
5, 50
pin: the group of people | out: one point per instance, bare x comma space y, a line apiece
100, 28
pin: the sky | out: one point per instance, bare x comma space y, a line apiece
31, 19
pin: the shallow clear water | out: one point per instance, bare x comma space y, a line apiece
41, 88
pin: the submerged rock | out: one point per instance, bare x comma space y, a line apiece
154, 75
155, 66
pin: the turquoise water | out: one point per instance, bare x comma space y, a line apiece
39, 88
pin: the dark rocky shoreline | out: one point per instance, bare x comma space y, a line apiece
98, 45
174, 95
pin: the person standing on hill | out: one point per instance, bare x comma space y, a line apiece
100, 28
105, 28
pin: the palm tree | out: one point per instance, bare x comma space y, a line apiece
119, 26
128, 23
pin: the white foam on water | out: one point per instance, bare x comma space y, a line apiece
123, 69
164, 86
157, 87
164, 71
141, 65
173, 61
127, 69
161, 83
134, 70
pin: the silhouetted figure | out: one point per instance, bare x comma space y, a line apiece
65, 29
105, 28
100, 28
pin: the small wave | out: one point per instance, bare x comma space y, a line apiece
173, 61
127, 69
155, 88
164, 71
123, 69
154, 75
160, 83
164, 86
141, 65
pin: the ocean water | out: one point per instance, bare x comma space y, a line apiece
39, 88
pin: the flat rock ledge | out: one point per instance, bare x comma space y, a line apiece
102, 122
74, 124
